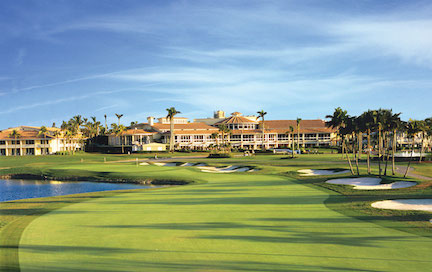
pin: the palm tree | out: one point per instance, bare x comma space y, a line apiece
412, 128
423, 129
43, 131
348, 129
171, 113
224, 130
395, 124
298, 132
118, 131
119, 116
367, 120
291, 133
106, 126
336, 122
15, 134
261, 115
215, 136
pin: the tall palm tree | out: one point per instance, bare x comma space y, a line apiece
43, 131
224, 130
215, 136
337, 122
261, 115
412, 128
423, 127
395, 124
291, 133
298, 120
171, 112
367, 119
119, 116
15, 134
106, 126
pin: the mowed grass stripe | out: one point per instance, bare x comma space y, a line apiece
233, 222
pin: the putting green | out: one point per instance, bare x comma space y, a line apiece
235, 222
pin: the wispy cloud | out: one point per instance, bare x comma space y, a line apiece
410, 40
22, 52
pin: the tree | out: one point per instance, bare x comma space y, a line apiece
171, 113
412, 128
395, 124
298, 132
291, 133
367, 120
423, 127
106, 126
261, 115
118, 131
224, 130
43, 131
336, 122
119, 116
215, 136
15, 134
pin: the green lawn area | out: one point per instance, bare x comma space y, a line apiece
269, 220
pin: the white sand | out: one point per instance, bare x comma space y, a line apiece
165, 163
405, 204
228, 169
144, 163
370, 183
208, 169
314, 172
188, 164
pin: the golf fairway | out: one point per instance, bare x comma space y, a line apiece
234, 222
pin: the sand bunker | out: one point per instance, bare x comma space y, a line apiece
405, 205
204, 168
165, 163
314, 172
226, 169
370, 183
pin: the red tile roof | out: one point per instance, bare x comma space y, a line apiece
235, 120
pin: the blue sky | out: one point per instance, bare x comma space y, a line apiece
290, 58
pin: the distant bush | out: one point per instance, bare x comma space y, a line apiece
219, 155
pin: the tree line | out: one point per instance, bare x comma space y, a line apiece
381, 127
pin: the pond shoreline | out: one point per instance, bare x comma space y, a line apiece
93, 179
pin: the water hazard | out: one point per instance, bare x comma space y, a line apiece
22, 189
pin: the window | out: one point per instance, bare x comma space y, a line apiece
160, 148
185, 138
44, 141
15, 142
283, 137
2, 152
199, 138
248, 138
236, 137
2, 142
29, 142
30, 151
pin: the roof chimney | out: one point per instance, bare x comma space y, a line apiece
150, 120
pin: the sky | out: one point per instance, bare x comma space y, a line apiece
290, 58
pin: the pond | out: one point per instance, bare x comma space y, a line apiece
21, 189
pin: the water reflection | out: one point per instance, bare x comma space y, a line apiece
21, 189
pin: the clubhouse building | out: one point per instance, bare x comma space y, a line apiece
27, 140
245, 133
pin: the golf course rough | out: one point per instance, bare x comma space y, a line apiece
238, 222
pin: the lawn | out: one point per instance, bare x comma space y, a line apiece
269, 220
